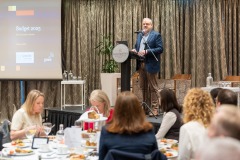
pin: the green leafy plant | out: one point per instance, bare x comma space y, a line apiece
105, 49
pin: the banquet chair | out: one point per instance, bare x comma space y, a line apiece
182, 76
5, 130
1, 137
115, 154
4, 133
232, 78
235, 80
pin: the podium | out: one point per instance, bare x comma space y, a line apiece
126, 71
119, 55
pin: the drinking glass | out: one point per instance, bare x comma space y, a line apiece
47, 127
30, 132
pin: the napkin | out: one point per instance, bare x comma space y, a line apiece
73, 137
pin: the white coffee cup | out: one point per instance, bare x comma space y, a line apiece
62, 149
44, 148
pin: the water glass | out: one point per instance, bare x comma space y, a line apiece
47, 127
30, 132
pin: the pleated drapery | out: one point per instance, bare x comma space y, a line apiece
199, 36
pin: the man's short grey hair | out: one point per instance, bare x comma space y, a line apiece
220, 148
148, 19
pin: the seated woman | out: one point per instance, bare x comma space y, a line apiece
129, 130
28, 116
198, 109
101, 103
172, 121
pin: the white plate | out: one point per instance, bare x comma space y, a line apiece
95, 120
8, 145
165, 147
90, 147
168, 141
172, 141
6, 151
45, 156
174, 154
24, 154
62, 153
41, 151
88, 133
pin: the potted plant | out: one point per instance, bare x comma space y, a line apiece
109, 68
105, 49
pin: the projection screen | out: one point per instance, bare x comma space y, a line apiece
30, 40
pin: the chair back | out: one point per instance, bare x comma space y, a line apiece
6, 132
232, 78
182, 76
115, 154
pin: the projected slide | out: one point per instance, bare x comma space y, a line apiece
30, 39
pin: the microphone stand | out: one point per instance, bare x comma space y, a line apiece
146, 44
144, 104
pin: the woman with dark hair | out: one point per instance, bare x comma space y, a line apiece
172, 120
214, 92
129, 131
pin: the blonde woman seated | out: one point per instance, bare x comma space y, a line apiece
198, 108
101, 103
28, 116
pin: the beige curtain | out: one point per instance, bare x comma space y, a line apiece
231, 22
199, 36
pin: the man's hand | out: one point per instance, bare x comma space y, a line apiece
142, 53
134, 51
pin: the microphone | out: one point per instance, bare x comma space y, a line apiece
141, 31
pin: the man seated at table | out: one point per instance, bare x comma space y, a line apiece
226, 96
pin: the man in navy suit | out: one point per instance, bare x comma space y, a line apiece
149, 47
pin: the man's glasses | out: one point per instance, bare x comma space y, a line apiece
146, 24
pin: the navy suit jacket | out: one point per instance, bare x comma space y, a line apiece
155, 46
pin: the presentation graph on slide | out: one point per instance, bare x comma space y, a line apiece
30, 40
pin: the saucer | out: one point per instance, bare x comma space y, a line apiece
49, 157
62, 153
42, 151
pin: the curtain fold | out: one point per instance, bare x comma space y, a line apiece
199, 36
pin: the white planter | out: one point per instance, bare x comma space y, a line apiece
109, 85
